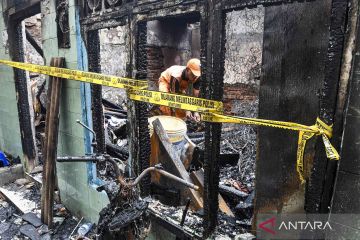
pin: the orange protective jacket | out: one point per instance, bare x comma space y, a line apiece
171, 81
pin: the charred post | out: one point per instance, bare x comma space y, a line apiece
93, 49
144, 148
21, 87
212, 57
328, 97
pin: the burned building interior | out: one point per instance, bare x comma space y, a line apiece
81, 160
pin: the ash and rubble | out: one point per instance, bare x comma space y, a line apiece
228, 228
239, 174
243, 144
20, 219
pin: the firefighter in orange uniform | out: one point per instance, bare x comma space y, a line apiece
181, 80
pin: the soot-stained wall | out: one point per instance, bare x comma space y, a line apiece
243, 57
295, 47
115, 59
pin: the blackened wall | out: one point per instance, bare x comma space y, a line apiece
295, 46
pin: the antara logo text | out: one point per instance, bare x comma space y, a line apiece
270, 226
303, 225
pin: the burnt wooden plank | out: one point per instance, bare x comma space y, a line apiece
198, 179
346, 66
51, 143
295, 43
22, 9
141, 143
170, 160
350, 153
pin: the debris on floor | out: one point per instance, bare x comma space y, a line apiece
20, 214
237, 173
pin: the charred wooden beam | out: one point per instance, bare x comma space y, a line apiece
232, 192
212, 57
22, 9
141, 111
233, 5
315, 201
347, 188
21, 87
347, 63
51, 143
33, 43
93, 49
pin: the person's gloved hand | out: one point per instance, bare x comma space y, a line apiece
196, 117
193, 116
188, 115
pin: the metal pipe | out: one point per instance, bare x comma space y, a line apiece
118, 172
82, 124
81, 159
162, 172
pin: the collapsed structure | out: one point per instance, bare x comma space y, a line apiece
281, 60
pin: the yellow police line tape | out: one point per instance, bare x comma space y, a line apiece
212, 111
88, 77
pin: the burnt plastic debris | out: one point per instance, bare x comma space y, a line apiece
127, 216
4, 162
126, 219
245, 208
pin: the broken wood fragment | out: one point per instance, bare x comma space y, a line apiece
18, 200
30, 232
232, 192
51, 142
198, 179
32, 219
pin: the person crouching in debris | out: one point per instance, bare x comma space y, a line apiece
181, 80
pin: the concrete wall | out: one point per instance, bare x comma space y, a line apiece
33, 25
243, 57
244, 38
115, 59
75, 180
10, 140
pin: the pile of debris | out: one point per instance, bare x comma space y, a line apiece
20, 214
237, 172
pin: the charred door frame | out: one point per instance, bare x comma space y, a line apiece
90, 32
141, 148
16, 50
320, 186
136, 15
